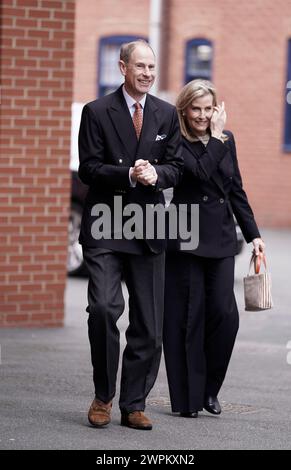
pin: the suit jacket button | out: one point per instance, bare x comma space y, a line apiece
205, 198
221, 201
156, 160
120, 160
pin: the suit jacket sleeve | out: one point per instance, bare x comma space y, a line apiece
203, 167
171, 168
92, 169
239, 201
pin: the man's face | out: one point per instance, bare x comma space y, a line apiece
139, 73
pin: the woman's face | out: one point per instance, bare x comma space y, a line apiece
198, 114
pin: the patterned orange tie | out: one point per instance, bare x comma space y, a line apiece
137, 119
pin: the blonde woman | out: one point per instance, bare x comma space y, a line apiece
201, 316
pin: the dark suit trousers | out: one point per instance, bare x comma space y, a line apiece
200, 326
144, 277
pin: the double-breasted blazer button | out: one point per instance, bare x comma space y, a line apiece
221, 201
205, 198
120, 160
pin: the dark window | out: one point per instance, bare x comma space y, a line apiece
287, 137
199, 54
109, 77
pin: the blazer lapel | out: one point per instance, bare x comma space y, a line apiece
123, 124
226, 167
197, 150
216, 176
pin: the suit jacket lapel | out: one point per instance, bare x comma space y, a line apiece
123, 124
150, 128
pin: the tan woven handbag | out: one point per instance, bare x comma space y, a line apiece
257, 287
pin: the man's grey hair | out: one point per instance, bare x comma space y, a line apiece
128, 47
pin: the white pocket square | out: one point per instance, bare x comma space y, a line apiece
161, 137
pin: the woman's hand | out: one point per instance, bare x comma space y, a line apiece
259, 246
218, 120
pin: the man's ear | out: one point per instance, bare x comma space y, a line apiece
122, 67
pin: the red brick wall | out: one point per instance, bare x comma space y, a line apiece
37, 39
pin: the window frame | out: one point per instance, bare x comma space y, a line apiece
197, 42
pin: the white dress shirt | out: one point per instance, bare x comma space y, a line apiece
131, 101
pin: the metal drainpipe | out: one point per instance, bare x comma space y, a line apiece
155, 36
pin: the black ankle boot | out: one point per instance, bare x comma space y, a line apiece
211, 404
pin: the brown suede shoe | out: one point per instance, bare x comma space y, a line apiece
136, 420
99, 413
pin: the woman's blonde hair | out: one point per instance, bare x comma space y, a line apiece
190, 92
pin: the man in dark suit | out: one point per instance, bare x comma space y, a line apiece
129, 148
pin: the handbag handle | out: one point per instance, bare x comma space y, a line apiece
257, 260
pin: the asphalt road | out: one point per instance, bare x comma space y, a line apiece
46, 385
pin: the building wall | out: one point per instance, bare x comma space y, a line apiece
37, 41
249, 70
